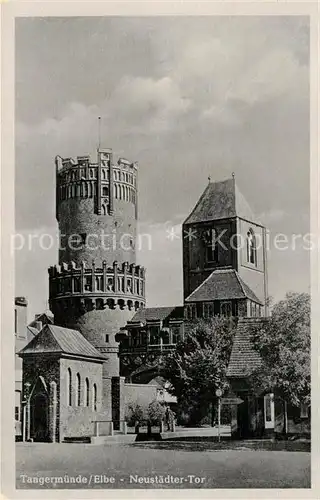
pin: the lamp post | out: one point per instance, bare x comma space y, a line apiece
219, 394
25, 402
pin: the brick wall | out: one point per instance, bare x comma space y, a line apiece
47, 367
76, 420
76, 216
95, 325
255, 276
195, 267
141, 394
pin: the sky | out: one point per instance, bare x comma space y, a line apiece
186, 97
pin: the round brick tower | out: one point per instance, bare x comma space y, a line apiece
97, 286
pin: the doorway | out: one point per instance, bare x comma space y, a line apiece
40, 417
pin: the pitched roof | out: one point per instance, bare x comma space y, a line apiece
44, 318
222, 284
221, 200
56, 339
157, 314
32, 330
244, 359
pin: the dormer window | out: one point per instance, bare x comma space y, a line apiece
251, 248
210, 238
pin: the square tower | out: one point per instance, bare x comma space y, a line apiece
224, 255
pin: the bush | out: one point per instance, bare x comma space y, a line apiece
155, 412
135, 413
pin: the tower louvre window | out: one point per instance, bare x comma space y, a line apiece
251, 248
210, 238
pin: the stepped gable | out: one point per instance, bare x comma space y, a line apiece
244, 359
221, 200
56, 339
157, 314
223, 284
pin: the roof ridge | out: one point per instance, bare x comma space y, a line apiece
239, 281
53, 335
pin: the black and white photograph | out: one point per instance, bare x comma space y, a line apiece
162, 252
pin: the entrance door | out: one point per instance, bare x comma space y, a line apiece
243, 418
40, 417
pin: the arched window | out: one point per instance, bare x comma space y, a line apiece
87, 393
251, 248
210, 238
69, 387
127, 193
123, 193
78, 393
94, 397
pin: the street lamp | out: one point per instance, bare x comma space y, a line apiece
219, 394
25, 401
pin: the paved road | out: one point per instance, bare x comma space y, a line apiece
134, 466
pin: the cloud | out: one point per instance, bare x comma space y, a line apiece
186, 97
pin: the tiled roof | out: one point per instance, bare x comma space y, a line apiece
56, 339
221, 200
44, 318
32, 330
157, 314
222, 284
244, 359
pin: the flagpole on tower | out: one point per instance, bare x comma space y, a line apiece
99, 132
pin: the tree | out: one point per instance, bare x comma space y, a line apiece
135, 414
198, 365
283, 343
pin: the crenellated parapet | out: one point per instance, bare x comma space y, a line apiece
116, 281
104, 181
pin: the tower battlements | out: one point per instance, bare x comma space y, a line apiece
96, 198
102, 181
